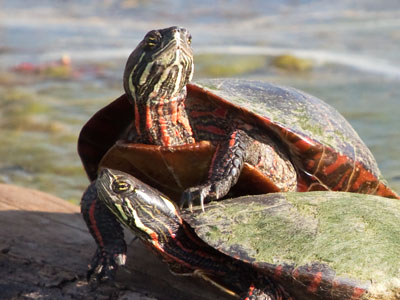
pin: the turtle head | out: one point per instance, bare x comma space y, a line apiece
160, 66
141, 208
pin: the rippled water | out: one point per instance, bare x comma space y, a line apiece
354, 47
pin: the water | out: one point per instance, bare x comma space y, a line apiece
354, 47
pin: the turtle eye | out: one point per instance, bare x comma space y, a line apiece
120, 186
152, 39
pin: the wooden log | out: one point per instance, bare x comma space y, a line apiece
45, 248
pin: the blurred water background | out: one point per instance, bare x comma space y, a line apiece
60, 61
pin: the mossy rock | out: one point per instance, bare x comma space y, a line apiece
351, 240
292, 63
57, 72
217, 65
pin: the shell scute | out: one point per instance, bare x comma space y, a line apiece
318, 245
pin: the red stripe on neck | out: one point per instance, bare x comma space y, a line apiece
137, 119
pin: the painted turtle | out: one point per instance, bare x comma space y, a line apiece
202, 141
299, 246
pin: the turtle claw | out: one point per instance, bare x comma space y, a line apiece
104, 265
202, 204
197, 193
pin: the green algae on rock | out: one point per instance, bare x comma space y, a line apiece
215, 65
351, 238
292, 63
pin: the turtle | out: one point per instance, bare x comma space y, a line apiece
277, 246
203, 141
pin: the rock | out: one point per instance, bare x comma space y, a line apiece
292, 63
45, 248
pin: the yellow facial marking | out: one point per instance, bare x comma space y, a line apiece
131, 86
121, 212
140, 225
168, 202
145, 74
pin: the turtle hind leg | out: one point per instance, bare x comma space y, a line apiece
225, 169
108, 234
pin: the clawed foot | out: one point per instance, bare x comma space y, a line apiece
201, 194
104, 265
258, 294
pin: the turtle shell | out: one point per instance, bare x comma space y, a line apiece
325, 150
318, 245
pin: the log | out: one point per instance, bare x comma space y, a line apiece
45, 248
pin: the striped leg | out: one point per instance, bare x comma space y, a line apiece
108, 234
224, 171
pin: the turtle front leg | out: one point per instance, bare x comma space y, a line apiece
225, 169
108, 234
